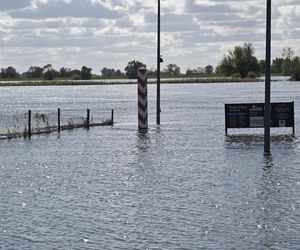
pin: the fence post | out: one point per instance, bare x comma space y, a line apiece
293, 119
58, 120
142, 99
226, 129
112, 117
88, 119
29, 123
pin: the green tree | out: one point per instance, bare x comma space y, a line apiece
226, 67
3, 73
291, 64
48, 72
85, 73
241, 60
107, 72
34, 72
209, 69
288, 55
118, 72
110, 72
295, 76
75, 74
9, 72
276, 66
132, 68
172, 69
218, 70
197, 71
262, 66
189, 72
64, 72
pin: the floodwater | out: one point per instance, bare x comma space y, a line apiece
180, 185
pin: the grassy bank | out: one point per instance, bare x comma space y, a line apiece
121, 81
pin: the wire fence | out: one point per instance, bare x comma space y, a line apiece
47, 121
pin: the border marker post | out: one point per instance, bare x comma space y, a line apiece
142, 99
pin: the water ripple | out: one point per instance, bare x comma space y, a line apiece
181, 185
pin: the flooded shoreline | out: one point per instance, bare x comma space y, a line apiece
125, 81
180, 185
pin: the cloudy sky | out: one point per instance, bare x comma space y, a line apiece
109, 33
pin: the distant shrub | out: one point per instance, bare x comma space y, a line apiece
236, 75
251, 75
48, 75
296, 74
295, 69
76, 77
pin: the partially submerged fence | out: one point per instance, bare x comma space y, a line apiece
44, 122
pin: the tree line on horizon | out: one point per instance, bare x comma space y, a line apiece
47, 72
238, 63
241, 62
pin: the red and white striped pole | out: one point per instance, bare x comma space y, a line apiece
142, 98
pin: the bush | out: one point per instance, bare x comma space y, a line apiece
76, 77
48, 75
236, 75
296, 74
85, 73
251, 75
295, 69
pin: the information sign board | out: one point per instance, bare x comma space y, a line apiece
251, 115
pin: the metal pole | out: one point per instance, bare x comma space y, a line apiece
29, 123
293, 119
226, 129
88, 119
268, 82
158, 66
58, 120
112, 117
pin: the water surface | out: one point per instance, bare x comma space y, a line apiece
180, 185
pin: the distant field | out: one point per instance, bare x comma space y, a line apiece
165, 79
121, 81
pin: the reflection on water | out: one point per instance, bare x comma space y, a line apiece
248, 138
268, 160
143, 139
268, 216
181, 185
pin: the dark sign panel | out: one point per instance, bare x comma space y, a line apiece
282, 114
251, 115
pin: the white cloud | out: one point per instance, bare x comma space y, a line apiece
14, 4
109, 33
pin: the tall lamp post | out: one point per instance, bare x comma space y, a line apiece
158, 66
267, 83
